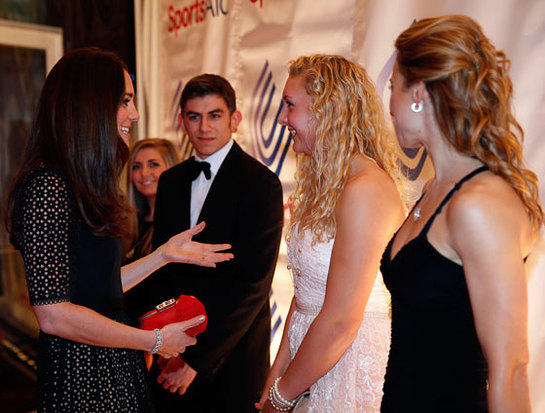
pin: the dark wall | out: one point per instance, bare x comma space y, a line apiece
108, 24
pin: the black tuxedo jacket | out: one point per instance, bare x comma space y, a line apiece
243, 208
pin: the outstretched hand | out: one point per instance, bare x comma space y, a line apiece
181, 248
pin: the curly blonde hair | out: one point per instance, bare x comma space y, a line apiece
469, 84
350, 121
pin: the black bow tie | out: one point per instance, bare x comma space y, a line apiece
197, 167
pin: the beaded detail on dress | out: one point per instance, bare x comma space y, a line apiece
354, 384
74, 377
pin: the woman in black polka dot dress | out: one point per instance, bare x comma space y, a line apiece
66, 217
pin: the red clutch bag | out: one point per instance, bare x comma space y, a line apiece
172, 311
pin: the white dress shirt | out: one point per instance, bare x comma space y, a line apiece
201, 185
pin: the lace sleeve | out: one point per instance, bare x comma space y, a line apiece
45, 227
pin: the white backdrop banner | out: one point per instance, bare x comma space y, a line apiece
250, 42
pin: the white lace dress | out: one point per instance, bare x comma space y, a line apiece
354, 384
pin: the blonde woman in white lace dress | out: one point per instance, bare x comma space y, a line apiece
345, 209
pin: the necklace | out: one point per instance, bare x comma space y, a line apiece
418, 210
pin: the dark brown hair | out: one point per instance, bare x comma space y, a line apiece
209, 84
75, 132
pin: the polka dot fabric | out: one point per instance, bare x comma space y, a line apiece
75, 377
46, 224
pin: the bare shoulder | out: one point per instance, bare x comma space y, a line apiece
486, 198
486, 208
370, 190
370, 181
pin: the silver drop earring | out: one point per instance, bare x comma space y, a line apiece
417, 106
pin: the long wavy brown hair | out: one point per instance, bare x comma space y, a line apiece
471, 91
75, 132
350, 121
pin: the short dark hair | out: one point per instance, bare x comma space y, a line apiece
209, 84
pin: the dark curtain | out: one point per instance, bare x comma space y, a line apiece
108, 24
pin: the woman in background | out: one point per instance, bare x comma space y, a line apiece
346, 208
67, 216
148, 159
455, 269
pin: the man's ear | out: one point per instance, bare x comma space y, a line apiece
181, 122
236, 118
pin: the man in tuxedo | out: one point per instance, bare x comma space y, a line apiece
241, 202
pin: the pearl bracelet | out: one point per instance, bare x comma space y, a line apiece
158, 341
277, 401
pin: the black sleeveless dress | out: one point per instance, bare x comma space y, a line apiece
436, 363
64, 262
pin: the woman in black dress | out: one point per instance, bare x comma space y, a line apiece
67, 217
455, 269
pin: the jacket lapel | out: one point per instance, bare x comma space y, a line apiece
220, 187
183, 204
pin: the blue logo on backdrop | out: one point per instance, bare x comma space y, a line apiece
270, 144
270, 141
276, 317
